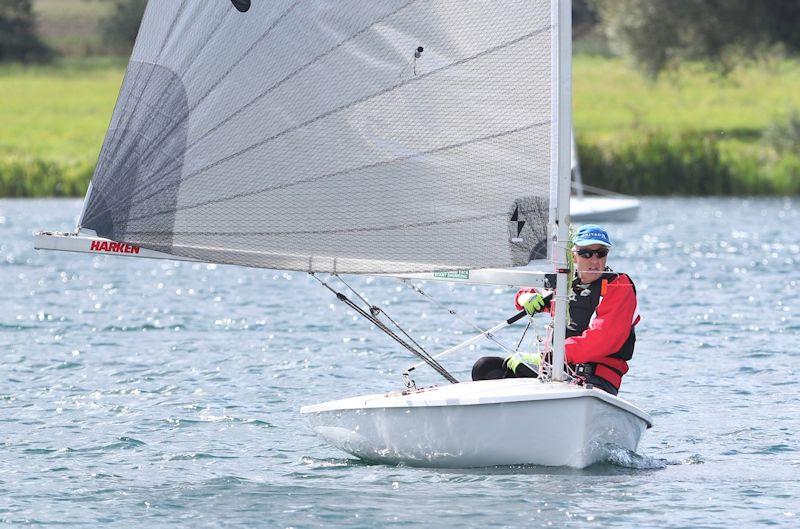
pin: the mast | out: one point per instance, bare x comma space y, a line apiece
564, 178
576, 168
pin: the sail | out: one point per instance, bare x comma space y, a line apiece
388, 136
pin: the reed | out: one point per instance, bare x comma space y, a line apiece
687, 164
39, 177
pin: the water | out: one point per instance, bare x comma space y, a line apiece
160, 394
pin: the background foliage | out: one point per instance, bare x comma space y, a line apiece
18, 38
670, 96
120, 27
658, 34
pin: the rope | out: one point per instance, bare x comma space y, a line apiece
456, 315
375, 310
422, 354
530, 320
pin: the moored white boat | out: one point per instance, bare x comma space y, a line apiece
484, 423
601, 205
603, 208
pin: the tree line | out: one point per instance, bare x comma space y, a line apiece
19, 41
656, 34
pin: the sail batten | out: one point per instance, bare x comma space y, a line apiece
382, 137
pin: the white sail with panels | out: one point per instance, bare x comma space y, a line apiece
349, 137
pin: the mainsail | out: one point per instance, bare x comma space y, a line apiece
388, 136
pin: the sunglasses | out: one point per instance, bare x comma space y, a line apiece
587, 254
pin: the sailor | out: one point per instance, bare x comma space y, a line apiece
603, 313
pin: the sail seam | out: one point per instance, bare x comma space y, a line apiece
354, 103
158, 102
331, 232
287, 185
221, 78
293, 74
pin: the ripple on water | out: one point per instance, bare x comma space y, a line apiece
122, 443
145, 420
181, 422
333, 463
194, 456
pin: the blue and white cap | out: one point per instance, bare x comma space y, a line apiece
589, 234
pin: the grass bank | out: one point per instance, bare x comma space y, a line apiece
613, 101
689, 132
688, 164
52, 123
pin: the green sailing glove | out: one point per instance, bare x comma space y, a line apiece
534, 304
514, 361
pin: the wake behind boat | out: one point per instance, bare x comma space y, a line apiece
484, 423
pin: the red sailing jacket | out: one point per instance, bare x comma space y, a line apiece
602, 339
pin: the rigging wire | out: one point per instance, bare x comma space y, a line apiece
420, 353
519, 343
455, 314
376, 310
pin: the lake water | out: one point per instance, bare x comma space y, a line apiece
157, 394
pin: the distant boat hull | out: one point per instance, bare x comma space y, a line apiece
480, 424
603, 209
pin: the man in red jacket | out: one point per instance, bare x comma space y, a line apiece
603, 312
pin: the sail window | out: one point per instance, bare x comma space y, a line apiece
241, 5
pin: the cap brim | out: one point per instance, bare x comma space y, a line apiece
589, 242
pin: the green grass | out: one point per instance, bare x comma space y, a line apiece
689, 132
613, 101
58, 112
52, 124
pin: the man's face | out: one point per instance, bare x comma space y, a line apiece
590, 268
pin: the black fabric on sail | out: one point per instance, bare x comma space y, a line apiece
143, 149
316, 136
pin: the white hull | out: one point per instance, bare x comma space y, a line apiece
479, 424
603, 209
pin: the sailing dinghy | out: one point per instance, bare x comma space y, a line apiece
417, 139
593, 204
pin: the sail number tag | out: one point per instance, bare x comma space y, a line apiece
452, 274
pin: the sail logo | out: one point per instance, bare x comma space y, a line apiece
515, 217
113, 247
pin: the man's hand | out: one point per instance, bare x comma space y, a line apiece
514, 361
533, 304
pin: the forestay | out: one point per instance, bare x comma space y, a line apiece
387, 136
